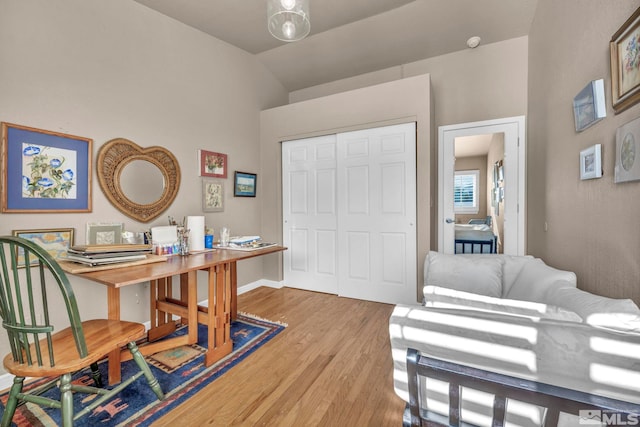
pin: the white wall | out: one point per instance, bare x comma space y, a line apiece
106, 69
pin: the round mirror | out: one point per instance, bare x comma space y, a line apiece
141, 182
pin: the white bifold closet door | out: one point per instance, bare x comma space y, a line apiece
349, 213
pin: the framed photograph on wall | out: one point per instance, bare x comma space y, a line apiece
104, 233
589, 106
625, 64
45, 171
627, 164
212, 195
244, 184
56, 241
212, 164
590, 162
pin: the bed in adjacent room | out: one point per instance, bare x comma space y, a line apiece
475, 238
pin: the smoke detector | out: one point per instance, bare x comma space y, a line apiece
473, 42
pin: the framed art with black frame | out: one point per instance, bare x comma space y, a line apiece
244, 184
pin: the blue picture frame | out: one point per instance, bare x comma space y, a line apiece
244, 184
45, 171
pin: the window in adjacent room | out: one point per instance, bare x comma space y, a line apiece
465, 192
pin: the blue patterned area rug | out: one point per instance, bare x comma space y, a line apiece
181, 373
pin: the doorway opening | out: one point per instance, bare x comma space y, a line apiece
485, 215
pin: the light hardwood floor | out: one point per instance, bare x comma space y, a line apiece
330, 367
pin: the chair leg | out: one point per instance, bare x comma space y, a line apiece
96, 375
66, 399
144, 367
12, 402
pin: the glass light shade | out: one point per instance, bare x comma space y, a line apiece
288, 20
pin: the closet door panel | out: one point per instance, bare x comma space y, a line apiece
309, 213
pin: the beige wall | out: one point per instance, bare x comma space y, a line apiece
485, 83
474, 163
107, 69
400, 101
496, 153
591, 225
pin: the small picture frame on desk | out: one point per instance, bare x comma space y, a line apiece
104, 233
56, 241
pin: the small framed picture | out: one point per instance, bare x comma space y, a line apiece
212, 195
589, 106
44, 171
244, 184
104, 233
212, 164
590, 162
627, 164
56, 241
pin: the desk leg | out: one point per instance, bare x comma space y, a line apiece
190, 281
219, 313
234, 291
113, 313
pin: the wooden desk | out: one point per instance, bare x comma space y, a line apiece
222, 300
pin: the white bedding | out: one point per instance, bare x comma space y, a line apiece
567, 354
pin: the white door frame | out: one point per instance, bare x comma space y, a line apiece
446, 134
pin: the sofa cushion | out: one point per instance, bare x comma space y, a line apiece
513, 265
449, 298
480, 275
621, 315
536, 279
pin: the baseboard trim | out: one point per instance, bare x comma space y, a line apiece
6, 380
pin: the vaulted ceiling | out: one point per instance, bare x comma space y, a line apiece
352, 37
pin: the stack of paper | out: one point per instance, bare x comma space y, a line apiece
244, 240
107, 254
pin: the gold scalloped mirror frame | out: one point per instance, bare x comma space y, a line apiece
115, 155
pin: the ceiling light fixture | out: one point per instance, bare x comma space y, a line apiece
288, 20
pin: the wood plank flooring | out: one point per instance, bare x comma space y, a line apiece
330, 367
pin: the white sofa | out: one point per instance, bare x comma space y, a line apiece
520, 317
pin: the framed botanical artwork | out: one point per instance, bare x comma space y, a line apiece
244, 184
625, 64
56, 241
589, 106
627, 164
212, 195
590, 162
212, 164
45, 171
104, 233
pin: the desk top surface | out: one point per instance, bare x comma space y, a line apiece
174, 265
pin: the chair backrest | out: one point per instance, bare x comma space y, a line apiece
25, 269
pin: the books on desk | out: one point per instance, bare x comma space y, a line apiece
94, 255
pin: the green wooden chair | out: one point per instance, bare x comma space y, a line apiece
27, 305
